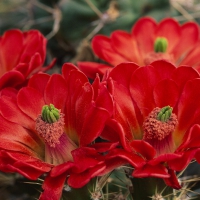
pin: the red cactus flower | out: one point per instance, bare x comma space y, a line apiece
44, 122
157, 116
147, 42
21, 55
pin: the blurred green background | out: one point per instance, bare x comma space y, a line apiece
69, 26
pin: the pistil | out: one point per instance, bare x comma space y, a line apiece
159, 52
160, 44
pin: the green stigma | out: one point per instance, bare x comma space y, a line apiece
164, 113
160, 45
50, 114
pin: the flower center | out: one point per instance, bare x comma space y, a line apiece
160, 44
158, 128
50, 125
160, 52
153, 56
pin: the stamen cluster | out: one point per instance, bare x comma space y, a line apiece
158, 129
50, 131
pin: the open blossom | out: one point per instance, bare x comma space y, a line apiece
156, 116
21, 55
147, 42
50, 122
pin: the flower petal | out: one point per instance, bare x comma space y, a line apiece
125, 45
28, 166
143, 148
142, 88
79, 180
38, 82
30, 101
51, 190
164, 69
173, 36
16, 77
172, 181
34, 42
56, 91
159, 171
12, 113
11, 41
102, 47
127, 69
139, 31
188, 107
187, 29
183, 74
165, 93
91, 69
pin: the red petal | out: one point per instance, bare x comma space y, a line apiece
79, 98
18, 139
183, 161
104, 101
34, 64
164, 158
183, 74
30, 101
166, 92
11, 49
62, 169
91, 69
34, 42
159, 171
189, 30
172, 181
142, 88
66, 68
125, 45
24, 164
114, 132
11, 79
83, 157
9, 92
91, 131
197, 156
125, 113
51, 190
191, 139
79, 180
39, 82
103, 49
192, 58
139, 31
12, 113
143, 148
164, 69
104, 146
22, 68
188, 107
122, 73
124, 156
56, 91
73, 76
173, 36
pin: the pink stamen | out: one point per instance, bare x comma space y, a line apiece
159, 133
50, 132
153, 56
158, 130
